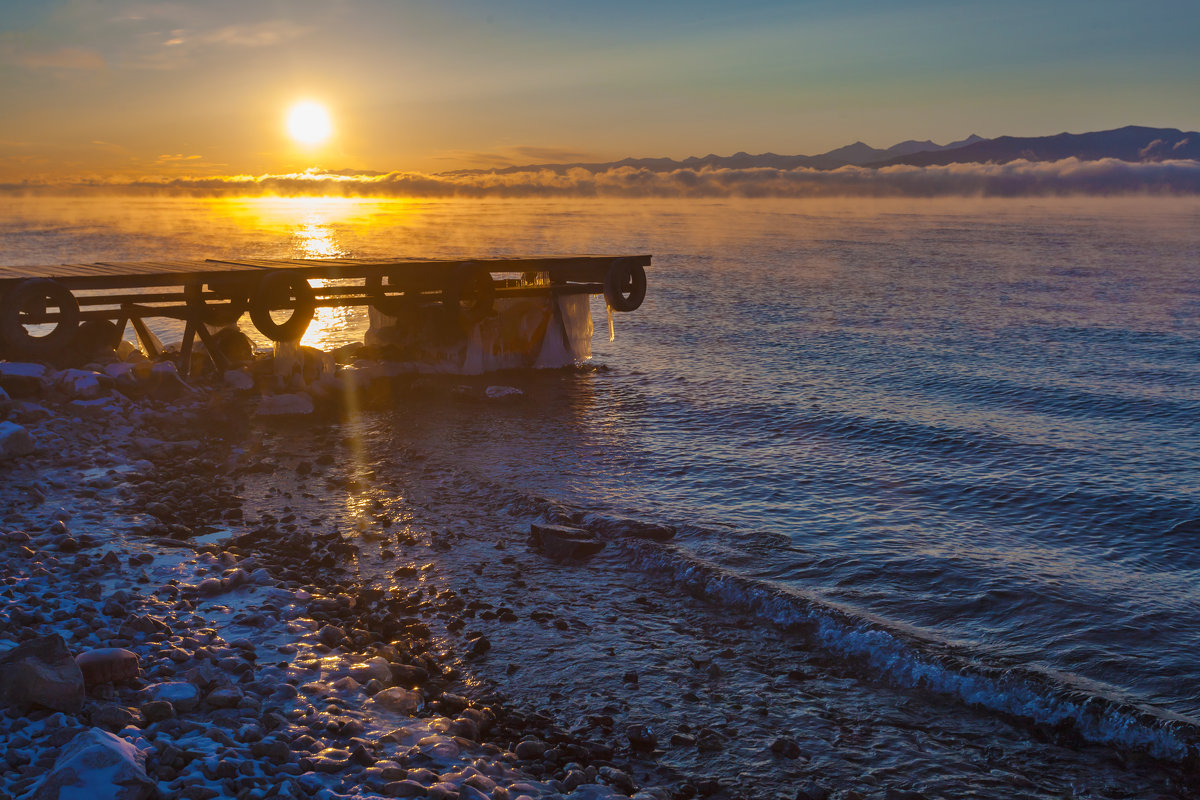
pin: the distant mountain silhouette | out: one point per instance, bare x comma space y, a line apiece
1131, 143
858, 154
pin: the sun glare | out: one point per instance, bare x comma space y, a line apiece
308, 123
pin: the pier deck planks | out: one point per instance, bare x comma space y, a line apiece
132, 274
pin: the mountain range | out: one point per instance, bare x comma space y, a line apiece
1131, 143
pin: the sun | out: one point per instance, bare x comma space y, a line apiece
308, 123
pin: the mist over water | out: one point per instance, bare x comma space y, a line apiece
973, 424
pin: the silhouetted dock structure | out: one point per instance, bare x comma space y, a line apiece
217, 292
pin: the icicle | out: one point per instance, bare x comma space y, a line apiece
612, 333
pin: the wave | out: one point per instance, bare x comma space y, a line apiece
906, 657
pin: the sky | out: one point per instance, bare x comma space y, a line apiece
122, 89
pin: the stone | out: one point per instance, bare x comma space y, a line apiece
530, 750
787, 748
227, 697
183, 696
401, 701
562, 542
82, 384
478, 646
285, 405
41, 672
100, 766
408, 675
113, 718
15, 441
108, 665
238, 380
404, 788
21, 379
375, 669
617, 778
330, 635
503, 393
641, 737
157, 711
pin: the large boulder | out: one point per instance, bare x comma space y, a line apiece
41, 672
99, 766
563, 542
15, 441
21, 379
108, 665
83, 384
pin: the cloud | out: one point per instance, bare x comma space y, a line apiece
65, 59
1014, 179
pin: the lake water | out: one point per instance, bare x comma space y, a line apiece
946, 449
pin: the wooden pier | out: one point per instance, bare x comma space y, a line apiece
104, 297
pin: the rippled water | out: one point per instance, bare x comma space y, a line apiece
959, 440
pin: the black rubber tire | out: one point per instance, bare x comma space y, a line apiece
471, 293
18, 342
625, 285
281, 289
395, 305
221, 315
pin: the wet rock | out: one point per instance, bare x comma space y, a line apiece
157, 711
285, 405
398, 700
561, 542
641, 737
506, 393
15, 441
618, 778
331, 635
478, 646
404, 788
41, 672
228, 697
210, 587
113, 718
99, 766
786, 748
331, 760
408, 674
530, 750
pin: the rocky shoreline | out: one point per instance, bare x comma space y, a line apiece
154, 642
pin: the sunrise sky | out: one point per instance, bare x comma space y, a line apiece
126, 88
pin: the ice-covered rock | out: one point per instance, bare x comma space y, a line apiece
15, 441
285, 405
41, 672
503, 393
183, 696
239, 380
82, 384
400, 701
562, 542
20, 379
99, 766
